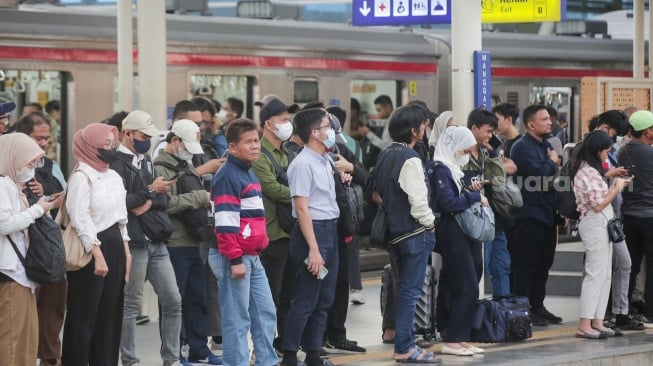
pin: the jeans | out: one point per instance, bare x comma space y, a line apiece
497, 264
412, 257
191, 281
313, 297
152, 263
245, 303
281, 276
620, 278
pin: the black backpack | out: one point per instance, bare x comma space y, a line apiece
284, 209
196, 221
565, 199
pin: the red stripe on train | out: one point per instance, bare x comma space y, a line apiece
108, 56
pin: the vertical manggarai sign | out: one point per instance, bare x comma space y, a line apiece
482, 80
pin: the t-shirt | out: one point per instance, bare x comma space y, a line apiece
507, 146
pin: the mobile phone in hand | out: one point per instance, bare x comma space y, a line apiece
176, 176
323, 270
495, 142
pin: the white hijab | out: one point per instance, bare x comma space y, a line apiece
439, 126
453, 140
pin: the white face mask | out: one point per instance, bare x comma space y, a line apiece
284, 131
461, 160
25, 174
183, 154
222, 115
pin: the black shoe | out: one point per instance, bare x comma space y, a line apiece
609, 324
343, 346
538, 321
142, 319
543, 313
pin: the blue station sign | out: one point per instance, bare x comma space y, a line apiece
482, 79
400, 12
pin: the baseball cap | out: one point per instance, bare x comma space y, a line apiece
265, 100
7, 107
641, 120
189, 133
337, 128
141, 121
275, 107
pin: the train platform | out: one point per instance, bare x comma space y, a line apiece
551, 345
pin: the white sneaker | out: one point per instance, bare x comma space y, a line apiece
356, 297
215, 346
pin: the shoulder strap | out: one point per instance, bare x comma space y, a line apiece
176, 168
277, 168
20, 256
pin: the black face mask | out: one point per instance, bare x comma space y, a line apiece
107, 156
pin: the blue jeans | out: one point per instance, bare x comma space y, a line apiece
306, 318
244, 303
152, 263
497, 264
412, 257
191, 280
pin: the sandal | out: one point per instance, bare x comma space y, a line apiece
587, 335
418, 355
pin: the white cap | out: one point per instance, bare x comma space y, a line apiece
189, 133
140, 121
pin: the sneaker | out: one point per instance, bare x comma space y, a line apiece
625, 322
142, 319
211, 359
543, 313
648, 323
356, 297
215, 346
183, 362
343, 346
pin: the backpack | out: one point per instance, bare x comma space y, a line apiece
284, 209
196, 221
565, 199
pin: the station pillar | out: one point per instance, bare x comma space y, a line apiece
125, 56
466, 37
152, 74
638, 40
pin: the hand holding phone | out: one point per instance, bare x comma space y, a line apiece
323, 270
176, 176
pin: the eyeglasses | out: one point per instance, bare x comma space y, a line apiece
36, 163
328, 127
110, 144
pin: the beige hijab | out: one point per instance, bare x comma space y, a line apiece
17, 150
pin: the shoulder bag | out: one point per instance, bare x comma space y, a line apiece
76, 255
477, 222
380, 232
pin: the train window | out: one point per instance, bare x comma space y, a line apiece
34, 90
305, 91
366, 91
221, 87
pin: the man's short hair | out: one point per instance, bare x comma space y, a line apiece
403, 120
36, 105
531, 111
237, 106
480, 117
308, 120
182, 108
52, 105
383, 100
507, 110
205, 104
313, 104
27, 123
354, 105
116, 120
237, 128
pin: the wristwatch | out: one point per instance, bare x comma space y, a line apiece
151, 192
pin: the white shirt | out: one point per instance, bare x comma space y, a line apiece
13, 220
95, 210
136, 159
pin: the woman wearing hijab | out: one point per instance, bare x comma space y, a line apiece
96, 202
594, 200
18, 317
461, 281
444, 120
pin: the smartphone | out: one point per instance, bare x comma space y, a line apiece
176, 176
323, 270
495, 142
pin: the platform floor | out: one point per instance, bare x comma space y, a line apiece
554, 344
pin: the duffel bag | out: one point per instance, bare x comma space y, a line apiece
502, 319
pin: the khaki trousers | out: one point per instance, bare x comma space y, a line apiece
51, 307
19, 329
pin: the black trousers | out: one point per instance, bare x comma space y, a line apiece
337, 314
94, 309
355, 282
532, 250
639, 239
281, 277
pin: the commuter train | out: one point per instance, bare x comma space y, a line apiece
70, 55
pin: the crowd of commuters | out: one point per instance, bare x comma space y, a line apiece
245, 229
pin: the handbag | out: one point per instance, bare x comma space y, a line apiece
76, 255
477, 222
616, 230
45, 261
379, 235
156, 225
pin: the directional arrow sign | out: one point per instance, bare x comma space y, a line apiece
400, 12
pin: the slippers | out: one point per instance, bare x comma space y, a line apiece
418, 355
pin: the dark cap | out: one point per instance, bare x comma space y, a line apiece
7, 107
265, 100
276, 107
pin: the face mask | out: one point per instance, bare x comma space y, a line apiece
183, 154
331, 139
107, 156
141, 147
25, 174
460, 159
222, 115
283, 131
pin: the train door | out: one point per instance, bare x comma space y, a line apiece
37, 90
221, 87
366, 91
